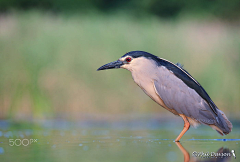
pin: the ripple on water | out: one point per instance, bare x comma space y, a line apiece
28, 132
171, 156
8, 134
100, 132
45, 133
84, 132
1, 150
20, 134
74, 133
214, 140
62, 133
85, 148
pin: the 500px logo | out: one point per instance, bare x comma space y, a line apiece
19, 142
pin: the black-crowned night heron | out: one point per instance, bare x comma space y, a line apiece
173, 88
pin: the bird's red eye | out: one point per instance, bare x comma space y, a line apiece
128, 59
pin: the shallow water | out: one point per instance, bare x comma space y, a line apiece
117, 142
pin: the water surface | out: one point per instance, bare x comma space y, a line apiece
114, 142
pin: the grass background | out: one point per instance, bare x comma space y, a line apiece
48, 63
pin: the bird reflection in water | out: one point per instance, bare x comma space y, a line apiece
210, 159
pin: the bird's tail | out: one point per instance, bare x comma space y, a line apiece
223, 126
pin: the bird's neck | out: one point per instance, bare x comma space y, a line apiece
144, 76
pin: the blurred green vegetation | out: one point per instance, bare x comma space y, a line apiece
162, 8
48, 62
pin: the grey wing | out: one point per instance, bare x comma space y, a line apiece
178, 96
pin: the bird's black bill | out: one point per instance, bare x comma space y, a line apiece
111, 65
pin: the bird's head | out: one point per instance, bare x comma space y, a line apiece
130, 61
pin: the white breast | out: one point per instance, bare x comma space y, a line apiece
144, 77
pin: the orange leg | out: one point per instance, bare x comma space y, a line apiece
185, 128
184, 151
